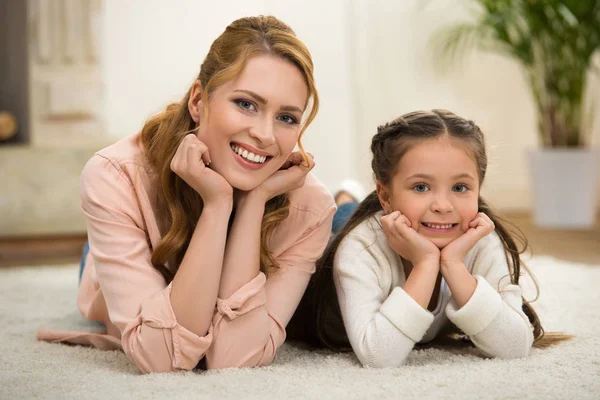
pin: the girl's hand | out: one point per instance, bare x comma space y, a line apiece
407, 242
456, 250
290, 176
190, 162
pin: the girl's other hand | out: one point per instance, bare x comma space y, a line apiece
191, 163
456, 250
407, 242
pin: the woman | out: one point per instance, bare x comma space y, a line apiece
204, 229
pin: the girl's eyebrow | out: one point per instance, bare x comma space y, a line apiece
263, 101
431, 177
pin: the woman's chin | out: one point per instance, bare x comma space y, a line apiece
242, 183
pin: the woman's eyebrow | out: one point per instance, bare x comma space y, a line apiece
264, 101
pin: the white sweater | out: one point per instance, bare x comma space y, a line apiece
383, 322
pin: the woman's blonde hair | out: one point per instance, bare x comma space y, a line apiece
161, 135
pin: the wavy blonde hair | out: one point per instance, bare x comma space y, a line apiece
161, 135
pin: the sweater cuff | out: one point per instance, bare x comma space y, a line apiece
479, 311
250, 296
406, 314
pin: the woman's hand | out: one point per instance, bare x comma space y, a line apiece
290, 176
407, 242
191, 163
456, 250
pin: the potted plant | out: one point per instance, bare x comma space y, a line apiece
556, 44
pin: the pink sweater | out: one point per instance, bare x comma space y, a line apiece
122, 289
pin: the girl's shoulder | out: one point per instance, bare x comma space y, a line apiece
368, 237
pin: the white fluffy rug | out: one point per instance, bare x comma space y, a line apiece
36, 296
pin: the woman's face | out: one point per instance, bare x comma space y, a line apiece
254, 120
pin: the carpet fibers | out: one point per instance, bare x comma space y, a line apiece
45, 296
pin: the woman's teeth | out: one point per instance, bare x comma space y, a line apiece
438, 226
248, 155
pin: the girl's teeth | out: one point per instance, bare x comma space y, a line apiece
434, 226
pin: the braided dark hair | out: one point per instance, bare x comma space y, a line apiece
318, 318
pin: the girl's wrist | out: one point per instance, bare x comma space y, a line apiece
431, 264
447, 266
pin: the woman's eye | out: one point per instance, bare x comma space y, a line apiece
460, 188
288, 119
245, 104
421, 187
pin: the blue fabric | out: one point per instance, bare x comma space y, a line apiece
342, 215
86, 249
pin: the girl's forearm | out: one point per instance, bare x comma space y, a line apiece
195, 286
460, 281
242, 254
421, 282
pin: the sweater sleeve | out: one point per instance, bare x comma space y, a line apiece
493, 317
249, 326
382, 325
136, 295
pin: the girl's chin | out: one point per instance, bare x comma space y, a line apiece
441, 243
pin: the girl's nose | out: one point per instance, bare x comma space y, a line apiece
441, 205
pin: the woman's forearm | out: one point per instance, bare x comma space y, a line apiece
242, 253
195, 286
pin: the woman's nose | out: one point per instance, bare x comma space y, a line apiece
263, 132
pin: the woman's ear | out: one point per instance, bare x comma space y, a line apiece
384, 197
195, 105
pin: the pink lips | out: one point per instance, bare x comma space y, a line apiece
249, 164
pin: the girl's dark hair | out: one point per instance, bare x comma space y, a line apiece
318, 319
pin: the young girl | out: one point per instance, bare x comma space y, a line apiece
421, 251
204, 229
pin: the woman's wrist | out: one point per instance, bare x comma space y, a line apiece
222, 206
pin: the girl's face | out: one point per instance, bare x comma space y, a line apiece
436, 187
254, 120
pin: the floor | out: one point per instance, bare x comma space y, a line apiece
570, 245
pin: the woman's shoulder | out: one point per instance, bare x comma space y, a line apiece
116, 158
313, 199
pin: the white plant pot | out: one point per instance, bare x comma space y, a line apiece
564, 184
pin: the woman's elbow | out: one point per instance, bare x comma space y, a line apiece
216, 360
152, 365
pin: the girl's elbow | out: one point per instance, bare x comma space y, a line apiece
373, 359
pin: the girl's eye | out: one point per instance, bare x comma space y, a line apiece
421, 187
245, 104
288, 119
460, 188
